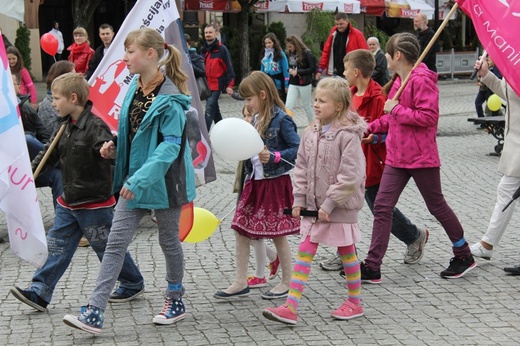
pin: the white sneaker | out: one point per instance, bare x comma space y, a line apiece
478, 250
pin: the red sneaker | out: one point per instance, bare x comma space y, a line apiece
348, 311
280, 314
274, 266
254, 282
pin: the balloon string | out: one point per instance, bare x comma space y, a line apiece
284, 160
228, 214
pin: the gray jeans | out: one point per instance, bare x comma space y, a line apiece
121, 234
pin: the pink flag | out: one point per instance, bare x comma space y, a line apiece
18, 198
496, 23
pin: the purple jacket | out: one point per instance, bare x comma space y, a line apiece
412, 124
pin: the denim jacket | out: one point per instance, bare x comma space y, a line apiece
281, 136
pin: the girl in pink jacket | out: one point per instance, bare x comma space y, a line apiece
411, 123
329, 179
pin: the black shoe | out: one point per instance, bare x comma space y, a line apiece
237, 97
369, 276
239, 294
342, 274
458, 267
123, 295
513, 270
271, 295
29, 297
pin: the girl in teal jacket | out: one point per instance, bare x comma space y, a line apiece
153, 170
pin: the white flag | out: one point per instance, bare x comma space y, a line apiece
18, 197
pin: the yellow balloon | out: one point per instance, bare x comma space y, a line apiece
204, 224
494, 103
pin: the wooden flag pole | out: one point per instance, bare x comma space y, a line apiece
426, 50
49, 151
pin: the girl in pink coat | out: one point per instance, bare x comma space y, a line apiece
329, 178
411, 123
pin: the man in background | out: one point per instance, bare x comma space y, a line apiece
55, 31
106, 34
425, 35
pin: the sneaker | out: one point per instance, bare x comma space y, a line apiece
153, 217
254, 282
458, 267
348, 311
83, 242
415, 251
480, 251
90, 320
123, 295
274, 266
332, 264
369, 276
29, 297
281, 314
173, 311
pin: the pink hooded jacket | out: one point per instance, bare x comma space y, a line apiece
330, 170
412, 124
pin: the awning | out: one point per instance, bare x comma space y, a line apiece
303, 6
212, 5
397, 8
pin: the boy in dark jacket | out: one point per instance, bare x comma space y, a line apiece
86, 206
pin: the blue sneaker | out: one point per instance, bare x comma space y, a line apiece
172, 312
90, 320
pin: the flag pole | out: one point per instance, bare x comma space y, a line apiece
49, 151
427, 49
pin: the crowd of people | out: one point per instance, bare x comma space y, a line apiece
368, 135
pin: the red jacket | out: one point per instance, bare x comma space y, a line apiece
371, 108
80, 55
356, 40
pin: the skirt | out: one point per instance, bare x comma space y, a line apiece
259, 212
330, 233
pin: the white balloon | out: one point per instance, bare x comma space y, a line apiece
235, 139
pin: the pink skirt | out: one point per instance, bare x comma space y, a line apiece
260, 208
333, 234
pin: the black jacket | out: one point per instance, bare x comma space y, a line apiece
424, 38
31, 121
94, 62
197, 62
306, 68
86, 176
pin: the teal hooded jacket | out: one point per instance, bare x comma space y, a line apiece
151, 167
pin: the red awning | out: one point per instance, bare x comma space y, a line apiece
212, 5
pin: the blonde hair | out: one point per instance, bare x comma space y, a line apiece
82, 31
147, 38
338, 89
71, 83
253, 85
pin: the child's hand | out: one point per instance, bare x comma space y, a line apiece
263, 156
368, 139
323, 216
126, 194
296, 211
389, 105
108, 150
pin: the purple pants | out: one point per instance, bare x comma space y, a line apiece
428, 182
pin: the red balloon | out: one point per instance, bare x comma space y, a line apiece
49, 44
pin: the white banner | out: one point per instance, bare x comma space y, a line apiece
13, 8
111, 79
18, 197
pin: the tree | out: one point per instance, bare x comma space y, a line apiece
243, 35
83, 11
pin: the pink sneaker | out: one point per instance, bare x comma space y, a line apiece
348, 311
273, 268
254, 282
280, 314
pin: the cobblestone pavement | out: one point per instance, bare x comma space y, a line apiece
413, 305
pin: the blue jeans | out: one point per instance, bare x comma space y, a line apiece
50, 176
213, 109
62, 242
402, 228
